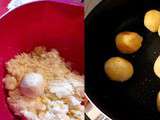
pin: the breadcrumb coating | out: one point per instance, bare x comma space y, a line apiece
52, 67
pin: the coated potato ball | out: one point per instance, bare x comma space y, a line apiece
128, 42
118, 69
152, 20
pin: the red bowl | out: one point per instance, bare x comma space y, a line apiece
45, 23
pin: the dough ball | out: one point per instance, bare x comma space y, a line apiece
157, 67
32, 85
118, 69
128, 42
152, 20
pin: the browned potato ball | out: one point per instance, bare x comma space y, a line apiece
159, 31
156, 67
128, 42
118, 69
158, 101
152, 20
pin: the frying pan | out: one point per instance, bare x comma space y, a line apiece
136, 98
44, 23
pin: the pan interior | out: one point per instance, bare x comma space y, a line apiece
136, 98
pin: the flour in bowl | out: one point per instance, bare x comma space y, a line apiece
41, 86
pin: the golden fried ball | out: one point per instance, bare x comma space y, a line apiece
128, 42
152, 20
156, 67
159, 31
118, 69
158, 101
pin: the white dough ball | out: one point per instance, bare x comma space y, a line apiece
32, 85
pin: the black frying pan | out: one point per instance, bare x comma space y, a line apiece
136, 98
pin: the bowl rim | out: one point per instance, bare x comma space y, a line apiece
64, 2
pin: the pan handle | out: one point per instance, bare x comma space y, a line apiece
93, 113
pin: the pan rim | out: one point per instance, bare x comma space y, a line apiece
89, 98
